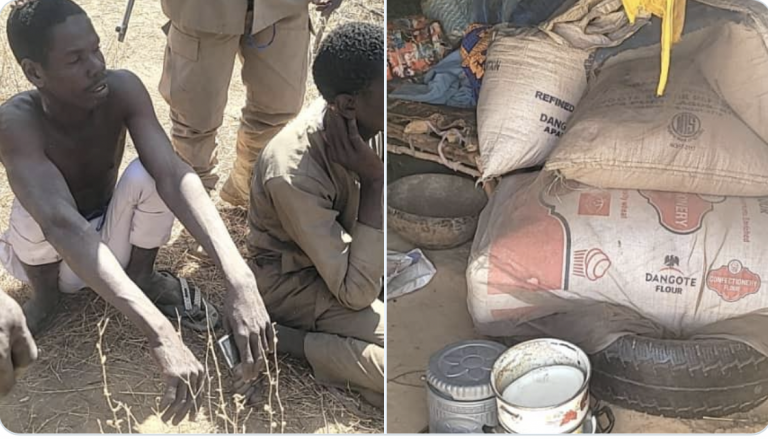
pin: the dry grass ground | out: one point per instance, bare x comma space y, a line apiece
64, 391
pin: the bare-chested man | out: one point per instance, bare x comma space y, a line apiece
74, 224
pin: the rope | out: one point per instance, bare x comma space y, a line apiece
444, 134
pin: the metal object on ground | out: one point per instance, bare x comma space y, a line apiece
435, 211
566, 416
228, 349
589, 426
459, 393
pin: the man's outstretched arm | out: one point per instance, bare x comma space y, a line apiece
181, 189
43, 192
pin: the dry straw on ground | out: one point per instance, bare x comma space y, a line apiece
95, 373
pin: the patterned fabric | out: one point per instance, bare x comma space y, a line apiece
454, 17
474, 50
413, 46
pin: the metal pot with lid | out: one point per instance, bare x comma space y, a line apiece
459, 393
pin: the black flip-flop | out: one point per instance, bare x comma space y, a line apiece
193, 310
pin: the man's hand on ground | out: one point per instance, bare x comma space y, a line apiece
347, 148
184, 378
246, 317
17, 347
326, 7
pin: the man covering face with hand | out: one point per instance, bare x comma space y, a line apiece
316, 214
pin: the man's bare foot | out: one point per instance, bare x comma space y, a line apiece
40, 312
44, 280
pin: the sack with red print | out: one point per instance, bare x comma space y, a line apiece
586, 265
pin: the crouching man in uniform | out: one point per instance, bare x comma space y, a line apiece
316, 213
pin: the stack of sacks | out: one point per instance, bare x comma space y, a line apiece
611, 262
534, 79
651, 214
704, 136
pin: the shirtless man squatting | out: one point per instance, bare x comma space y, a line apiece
75, 224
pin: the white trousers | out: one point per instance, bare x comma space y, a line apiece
136, 216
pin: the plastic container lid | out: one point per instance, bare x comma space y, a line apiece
462, 371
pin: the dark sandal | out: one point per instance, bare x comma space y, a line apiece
193, 310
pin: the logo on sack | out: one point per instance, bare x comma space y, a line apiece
685, 126
591, 264
670, 278
671, 262
763, 203
595, 204
733, 282
681, 214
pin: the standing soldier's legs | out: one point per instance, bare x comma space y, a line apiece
196, 75
275, 67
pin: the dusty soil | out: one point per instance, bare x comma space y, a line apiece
64, 391
423, 322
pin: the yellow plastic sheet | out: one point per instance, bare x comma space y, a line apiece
672, 14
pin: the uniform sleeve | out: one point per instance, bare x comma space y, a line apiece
351, 262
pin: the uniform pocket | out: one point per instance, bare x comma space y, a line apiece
183, 44
275, 67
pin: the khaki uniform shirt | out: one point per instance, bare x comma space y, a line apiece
304, 237
228, 16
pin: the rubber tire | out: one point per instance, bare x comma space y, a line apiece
680, 378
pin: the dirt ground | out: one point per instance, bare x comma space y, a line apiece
64, 391
423, 322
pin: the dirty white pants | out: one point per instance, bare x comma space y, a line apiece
136, 216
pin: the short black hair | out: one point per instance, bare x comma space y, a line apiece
30, 23
349, 59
